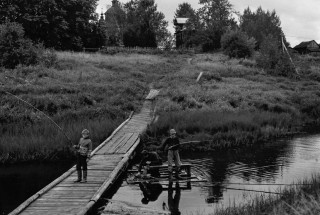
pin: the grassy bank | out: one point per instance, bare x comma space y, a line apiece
77, 91
235, 103
299, 200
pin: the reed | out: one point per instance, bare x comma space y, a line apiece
223, 129
300, 200
43, 141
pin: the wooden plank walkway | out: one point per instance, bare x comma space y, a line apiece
107, 162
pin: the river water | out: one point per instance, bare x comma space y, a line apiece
232, 173
236, 176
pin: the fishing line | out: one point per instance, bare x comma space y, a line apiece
51, 120
258, 191
187, 142
216, 184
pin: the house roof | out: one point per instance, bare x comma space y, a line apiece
180, 21
304, 44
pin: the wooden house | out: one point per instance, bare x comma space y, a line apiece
180, 31
307, 47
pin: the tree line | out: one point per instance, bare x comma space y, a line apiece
216, 18
74, 24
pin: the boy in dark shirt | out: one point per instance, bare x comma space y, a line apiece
172, 144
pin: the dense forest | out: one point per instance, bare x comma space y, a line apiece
74, 24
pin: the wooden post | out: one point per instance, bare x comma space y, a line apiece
200, 75
285, 48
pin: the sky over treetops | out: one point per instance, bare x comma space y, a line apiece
300, 19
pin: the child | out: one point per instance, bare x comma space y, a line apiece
154, 160
84, 149
171, 144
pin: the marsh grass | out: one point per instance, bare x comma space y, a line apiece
298, 200
223, 129
77, 91
234, 103
44, 141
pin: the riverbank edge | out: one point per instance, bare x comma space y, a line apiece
298, 198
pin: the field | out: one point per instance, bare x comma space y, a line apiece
233, 104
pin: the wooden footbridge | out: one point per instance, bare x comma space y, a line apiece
107, 162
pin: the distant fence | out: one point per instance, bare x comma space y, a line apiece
91, 49
137, 50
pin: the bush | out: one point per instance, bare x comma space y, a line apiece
14, 48
269, 53
237, 44
273, 59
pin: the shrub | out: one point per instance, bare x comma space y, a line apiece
237, 44
273, 59
14, 48
49, 58
269, 53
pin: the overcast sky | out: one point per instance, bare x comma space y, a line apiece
300, 19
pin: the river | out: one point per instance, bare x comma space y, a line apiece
237, 175
233, 173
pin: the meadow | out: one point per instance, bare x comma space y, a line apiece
77, 91
234, 103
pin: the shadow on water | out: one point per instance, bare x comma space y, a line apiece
19, 182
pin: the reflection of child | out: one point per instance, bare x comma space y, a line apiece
173, 201
151, 191
84, 149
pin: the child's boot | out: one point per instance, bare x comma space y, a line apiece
84, 180
79, 176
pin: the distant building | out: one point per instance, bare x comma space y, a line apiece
307, 47
114, 19
181, 32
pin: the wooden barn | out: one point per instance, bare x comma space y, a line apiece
180, 31
307, 47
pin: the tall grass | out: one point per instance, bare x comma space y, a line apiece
223, 129
298, 200
78, 91
44, 141
234, 103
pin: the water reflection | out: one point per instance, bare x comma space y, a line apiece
262, 163
236, 176
174, 200
19, 182
151, 191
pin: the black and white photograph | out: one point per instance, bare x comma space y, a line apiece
159, 107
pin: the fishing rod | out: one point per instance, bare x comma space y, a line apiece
215, 184
258, 191
51, 120
188, 142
